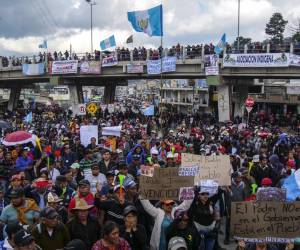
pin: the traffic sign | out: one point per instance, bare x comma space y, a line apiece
92, 108
81, 109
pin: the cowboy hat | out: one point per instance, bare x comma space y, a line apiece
80, 204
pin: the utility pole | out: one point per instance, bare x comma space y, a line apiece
91, 4
238, 28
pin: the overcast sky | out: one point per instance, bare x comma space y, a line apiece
26, 23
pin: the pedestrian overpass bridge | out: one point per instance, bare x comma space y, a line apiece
13, 78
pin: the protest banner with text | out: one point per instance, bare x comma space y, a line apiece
214, 167
267, 219
165, 184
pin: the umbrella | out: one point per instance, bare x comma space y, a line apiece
19, 137
4, 124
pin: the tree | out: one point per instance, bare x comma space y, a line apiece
276, 27
243, 42
295, 30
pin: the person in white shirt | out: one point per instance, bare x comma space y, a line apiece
96, 178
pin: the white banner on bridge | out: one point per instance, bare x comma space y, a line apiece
109, 61
168, 65
64, 67
257, 60
33, 69
294, 60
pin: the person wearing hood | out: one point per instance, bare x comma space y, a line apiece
137, 150
275, 163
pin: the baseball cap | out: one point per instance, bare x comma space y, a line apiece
176, 243
75, 244
266, 182
84, 183
12, 228
131, 184
75, 165
16, 193
110, 173
255, 158
130, 209
154, 151
22, 238
48, 213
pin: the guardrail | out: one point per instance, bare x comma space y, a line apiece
142, 54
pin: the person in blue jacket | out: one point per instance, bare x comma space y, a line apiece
137, 150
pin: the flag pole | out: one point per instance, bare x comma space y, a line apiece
161, 61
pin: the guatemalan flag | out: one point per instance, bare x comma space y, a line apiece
107, 43
149, 111
221, 45
292, 186
43, 45
148, 21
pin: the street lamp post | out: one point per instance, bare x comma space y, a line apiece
91, 4
238, 28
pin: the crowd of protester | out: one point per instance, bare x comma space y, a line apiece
64, 195
140, 53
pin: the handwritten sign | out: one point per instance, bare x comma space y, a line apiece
213, 167
165, 184
186, 193
265, 219
188, 171
147, 170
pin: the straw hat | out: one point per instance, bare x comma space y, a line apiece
80, 204
52, 197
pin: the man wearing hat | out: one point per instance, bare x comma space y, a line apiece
132, 231
24, 162
84, 192
83, 226
40, 191
11, 229
177, 243
96, 178
55, 202
20, 209
114, 207
25, 241
50, 233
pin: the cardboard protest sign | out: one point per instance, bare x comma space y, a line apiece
186, 193
164, 184
188, 171
147, 170
267, 219
213, 167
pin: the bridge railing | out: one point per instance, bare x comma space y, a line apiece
142, 54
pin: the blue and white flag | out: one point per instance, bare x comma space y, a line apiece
107, 43
221, 45
33, 69
28, 118
292, 186
43, 45
148, 21
149, 111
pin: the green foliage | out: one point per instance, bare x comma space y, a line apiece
275, 28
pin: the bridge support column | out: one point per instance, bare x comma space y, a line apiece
224, 102
14, 97
76, 95
109, 93
241, 95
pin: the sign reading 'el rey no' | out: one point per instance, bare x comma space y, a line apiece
265, 219
165, 184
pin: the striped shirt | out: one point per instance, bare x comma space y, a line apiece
85, 166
